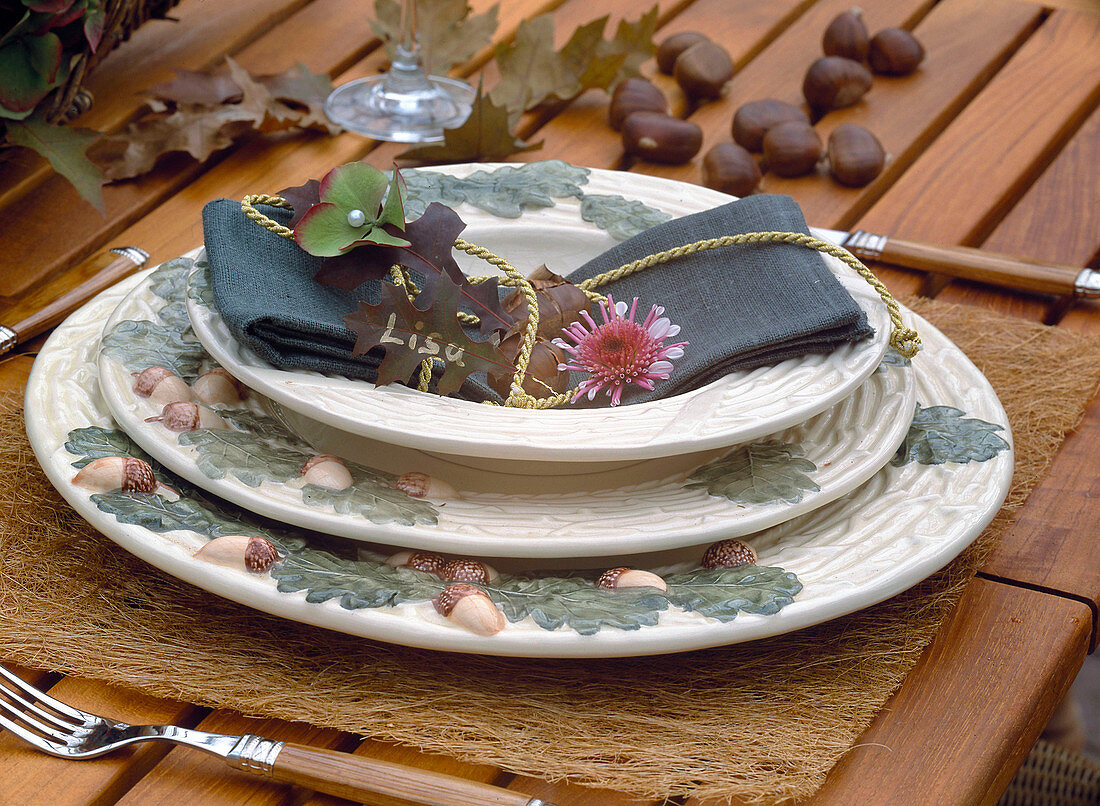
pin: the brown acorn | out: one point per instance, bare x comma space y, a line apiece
703, 70
751, 121
327, 471
183, 416
243, 552
856, 156
895, 52
671, 48
632, 95
791, 149
661, 138
731, 169
621, 578
833, 82
846, 36
217, 387
161, 385
728, 554
421, 485
468, 571
543, 377
117, 473
470, 607
425, 561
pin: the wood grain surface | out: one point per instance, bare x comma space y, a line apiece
994, 143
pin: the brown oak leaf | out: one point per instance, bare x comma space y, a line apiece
409, 334
301, 197
486, 135
199, 114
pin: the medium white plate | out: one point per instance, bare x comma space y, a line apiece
643, 507
738, 408
900, 526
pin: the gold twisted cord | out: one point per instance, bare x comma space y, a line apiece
903, 339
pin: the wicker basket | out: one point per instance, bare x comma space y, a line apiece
122, 18
1052, 776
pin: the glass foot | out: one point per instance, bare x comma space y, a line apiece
384, 109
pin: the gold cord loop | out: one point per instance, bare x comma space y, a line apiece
903, 339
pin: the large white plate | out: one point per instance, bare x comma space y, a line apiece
740, 407
900, 526
643, 507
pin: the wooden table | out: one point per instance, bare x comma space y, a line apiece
995, 143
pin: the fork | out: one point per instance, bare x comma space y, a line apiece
61, 730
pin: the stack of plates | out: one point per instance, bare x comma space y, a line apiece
817, 464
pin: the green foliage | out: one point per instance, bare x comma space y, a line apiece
325, 229
138, 345
94, 442
721, 593
622, 218
356, 583
575, 602
505, 192
941, 434
759, 473
66, 150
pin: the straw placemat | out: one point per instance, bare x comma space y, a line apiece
758, 721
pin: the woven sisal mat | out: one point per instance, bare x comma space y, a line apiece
757, 722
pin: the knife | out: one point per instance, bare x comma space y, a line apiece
969, 264
116, 264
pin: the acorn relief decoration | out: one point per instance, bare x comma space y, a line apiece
469, 607
327, 471
216, 387
125, 473
182, 416
421, 485
728, 554
161, 385
424, 561
243, 552
621, 578
468, 571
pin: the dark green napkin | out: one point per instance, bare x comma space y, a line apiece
738, 307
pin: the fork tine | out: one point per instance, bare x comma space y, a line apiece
21, 729
46, 699
30, 706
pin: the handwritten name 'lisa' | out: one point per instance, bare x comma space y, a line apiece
429, 346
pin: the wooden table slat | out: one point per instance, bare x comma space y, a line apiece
943, 737
965, 181
200, 39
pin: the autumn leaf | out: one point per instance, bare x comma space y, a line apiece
431, 254
484, 136
301, 197
66, 149
327, 228
200, 114
533, 72
447, 33
410, 334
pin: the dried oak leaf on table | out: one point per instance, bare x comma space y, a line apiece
199, 114
486, 135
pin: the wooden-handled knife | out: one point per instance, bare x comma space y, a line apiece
969, 264
116, 264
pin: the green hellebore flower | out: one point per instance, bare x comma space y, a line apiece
351, 212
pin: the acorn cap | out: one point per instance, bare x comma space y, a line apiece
728, 554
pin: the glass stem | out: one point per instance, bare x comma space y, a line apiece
406, 73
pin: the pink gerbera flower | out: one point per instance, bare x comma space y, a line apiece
621, 351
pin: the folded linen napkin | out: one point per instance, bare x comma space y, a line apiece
738, 307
